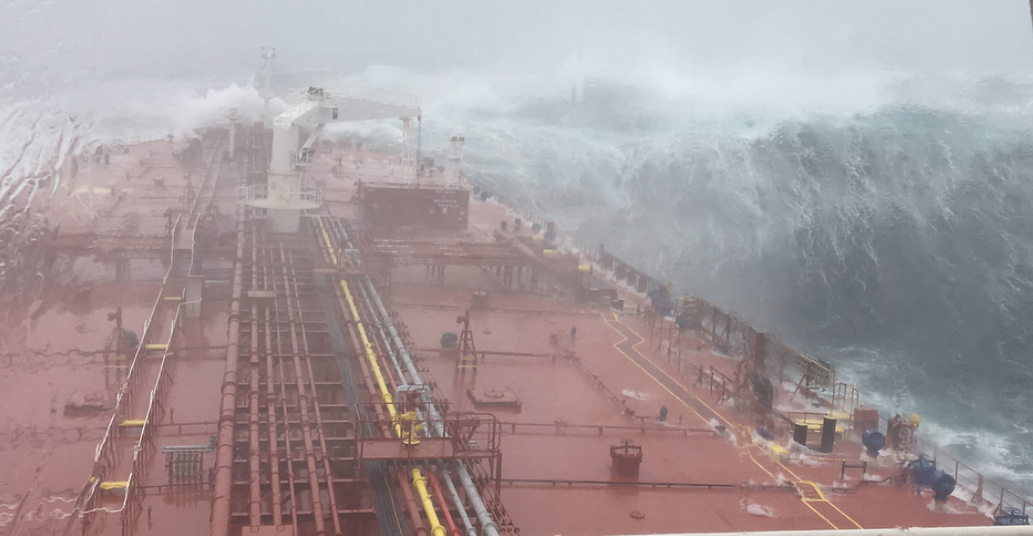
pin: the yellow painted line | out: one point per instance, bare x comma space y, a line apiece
679, 384
678, 398
831, 524
794, 475
825, 500
726, 421
686, 404
842, 513
816, 490
762, 468
750, 454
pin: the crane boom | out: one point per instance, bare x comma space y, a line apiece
286, 194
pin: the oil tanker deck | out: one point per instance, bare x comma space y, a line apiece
248, 333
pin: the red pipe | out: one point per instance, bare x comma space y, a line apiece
385, 366
274, 447
385, 430
452, 530
303, 403
414, 511
315, 404
254, 460
227, 408
271, 427
286, 428
277, 360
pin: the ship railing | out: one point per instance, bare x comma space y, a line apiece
724, 330
529, 217
983, 490
205, 196
247, 194
625, 273
389, 176
728, 332
589, 252
716, 381
314, 195
972, 486
562, 428
107, 456
473, 433
845, 398
145, 448
813, 373
125, 394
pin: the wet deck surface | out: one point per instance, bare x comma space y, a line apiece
569, 400
62, 363
702, 470
607, 385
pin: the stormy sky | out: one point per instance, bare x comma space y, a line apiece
204, 38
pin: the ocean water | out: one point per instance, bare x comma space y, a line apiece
892, 237
895, 242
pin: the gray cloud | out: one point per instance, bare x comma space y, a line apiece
200, 38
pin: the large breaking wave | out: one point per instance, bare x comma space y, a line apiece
896, 243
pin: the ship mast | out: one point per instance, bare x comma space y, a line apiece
269, 54
454, 178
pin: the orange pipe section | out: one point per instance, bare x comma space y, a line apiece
452, 530
410, 503
220, 525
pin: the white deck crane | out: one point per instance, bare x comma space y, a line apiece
286, 193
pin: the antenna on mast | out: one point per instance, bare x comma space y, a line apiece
268, 54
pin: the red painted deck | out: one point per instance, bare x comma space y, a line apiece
60, 375
578, 397
702, 471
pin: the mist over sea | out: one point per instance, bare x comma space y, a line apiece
858, 180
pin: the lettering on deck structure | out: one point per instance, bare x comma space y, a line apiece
442, 209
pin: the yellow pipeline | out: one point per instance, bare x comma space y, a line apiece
326, 241
371, 356
385, 394
428, 506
